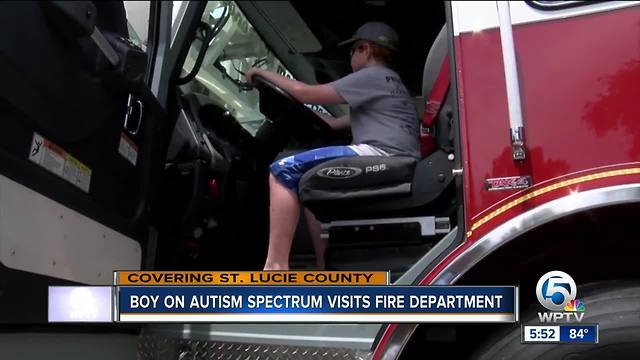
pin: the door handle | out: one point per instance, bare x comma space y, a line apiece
133, 116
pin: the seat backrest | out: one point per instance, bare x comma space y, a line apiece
434, 60
432, 77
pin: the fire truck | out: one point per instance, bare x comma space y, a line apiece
128, 146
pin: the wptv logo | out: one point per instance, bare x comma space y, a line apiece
557, 291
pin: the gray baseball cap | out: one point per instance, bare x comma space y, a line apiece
376, 32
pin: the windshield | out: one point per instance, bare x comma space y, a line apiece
235, 48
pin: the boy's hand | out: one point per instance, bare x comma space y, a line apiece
250, 74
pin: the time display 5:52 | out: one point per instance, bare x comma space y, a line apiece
541, 333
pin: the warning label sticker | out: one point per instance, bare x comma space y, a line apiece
128, 149
51, 157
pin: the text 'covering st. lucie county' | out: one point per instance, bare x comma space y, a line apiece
155, 278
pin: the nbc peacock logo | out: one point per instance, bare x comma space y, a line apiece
575, 306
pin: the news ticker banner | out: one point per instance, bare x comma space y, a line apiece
252, 298
562, 333
295, 304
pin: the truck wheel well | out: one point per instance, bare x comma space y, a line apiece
596, 245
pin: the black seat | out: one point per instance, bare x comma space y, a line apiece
381, 187
359, 177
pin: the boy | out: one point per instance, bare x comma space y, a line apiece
383, 122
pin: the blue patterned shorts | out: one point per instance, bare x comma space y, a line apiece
290, 169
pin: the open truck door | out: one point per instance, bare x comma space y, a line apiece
82, 143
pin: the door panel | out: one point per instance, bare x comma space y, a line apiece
57, 91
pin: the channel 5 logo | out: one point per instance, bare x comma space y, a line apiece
557, 292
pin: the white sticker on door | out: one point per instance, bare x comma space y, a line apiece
128, 149
53, 158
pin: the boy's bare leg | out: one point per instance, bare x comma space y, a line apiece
284, 215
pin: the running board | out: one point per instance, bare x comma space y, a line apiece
429, 225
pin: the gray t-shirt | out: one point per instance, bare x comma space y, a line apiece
383, 113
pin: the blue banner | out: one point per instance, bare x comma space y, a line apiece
579, 333
316, 299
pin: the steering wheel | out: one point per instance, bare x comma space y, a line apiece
279, 106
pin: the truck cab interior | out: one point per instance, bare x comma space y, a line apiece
212, 208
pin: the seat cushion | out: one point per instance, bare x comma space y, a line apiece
357, 177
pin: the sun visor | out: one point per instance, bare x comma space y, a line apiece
289, 26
